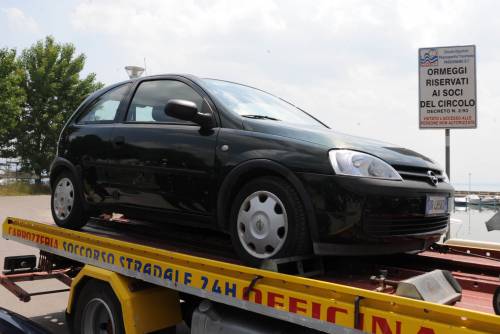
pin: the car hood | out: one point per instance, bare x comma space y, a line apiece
392, 154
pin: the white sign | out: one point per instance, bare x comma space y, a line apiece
447, 87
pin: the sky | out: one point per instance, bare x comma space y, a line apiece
352, 64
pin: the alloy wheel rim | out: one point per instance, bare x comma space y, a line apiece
97, 318
262, 224
64, 198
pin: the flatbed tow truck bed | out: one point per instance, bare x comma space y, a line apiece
329, 294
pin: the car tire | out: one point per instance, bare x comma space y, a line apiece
66, 204
267, 221
96, 303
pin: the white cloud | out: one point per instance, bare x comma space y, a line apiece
182, 18
18, 21
351, 63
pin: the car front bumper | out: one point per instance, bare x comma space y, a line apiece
372, 216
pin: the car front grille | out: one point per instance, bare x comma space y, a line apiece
384, 226
418, 174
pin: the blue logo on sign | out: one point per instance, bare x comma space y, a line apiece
429, 58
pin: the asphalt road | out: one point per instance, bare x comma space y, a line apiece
47, 310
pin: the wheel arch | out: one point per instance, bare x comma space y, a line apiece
136, 314
250, 169
58, 166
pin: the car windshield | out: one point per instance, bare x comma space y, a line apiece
256, 104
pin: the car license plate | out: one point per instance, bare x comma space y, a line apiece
436, 205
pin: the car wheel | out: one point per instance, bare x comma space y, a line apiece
268, 221
97, 310
66, 205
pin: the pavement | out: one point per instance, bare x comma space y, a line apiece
47, 310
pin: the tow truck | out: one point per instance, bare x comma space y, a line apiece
125, 278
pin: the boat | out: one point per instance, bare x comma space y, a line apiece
489, 200
460, 201
473, 199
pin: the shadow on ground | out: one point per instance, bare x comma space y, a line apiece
53, 322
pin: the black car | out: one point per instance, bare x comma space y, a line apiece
217, 154
13, 323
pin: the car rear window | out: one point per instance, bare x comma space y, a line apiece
105, 107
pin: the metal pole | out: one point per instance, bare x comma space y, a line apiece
447, 135
447, 146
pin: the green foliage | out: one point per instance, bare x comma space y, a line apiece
53, 90
12, 98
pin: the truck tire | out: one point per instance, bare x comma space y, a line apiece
66, 204
268, 221
496, 301
97, 310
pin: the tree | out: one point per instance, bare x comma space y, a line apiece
12, 98
53, 89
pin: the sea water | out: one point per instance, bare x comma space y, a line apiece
469, 222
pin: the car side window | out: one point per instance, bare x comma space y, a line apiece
151, 97
105, 107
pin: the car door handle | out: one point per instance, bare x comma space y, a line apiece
120, 140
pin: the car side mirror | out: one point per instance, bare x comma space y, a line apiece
188, 111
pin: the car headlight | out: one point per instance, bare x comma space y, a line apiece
353, 163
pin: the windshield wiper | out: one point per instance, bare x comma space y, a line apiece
261, 117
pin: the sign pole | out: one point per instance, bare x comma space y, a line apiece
447, 92
447, 147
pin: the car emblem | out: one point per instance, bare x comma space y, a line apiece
432, 177
259, 225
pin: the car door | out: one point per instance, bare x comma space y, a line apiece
160, 162
89, 142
